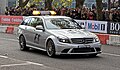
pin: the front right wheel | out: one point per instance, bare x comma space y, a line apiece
50, 48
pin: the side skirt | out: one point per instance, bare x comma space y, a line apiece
30, 46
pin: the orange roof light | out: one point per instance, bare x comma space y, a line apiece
36, 13
44, 13
53, 12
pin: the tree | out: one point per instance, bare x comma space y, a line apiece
60, 3
48, 4
37, 0
119, 2
79, 3
99, 9
23, 3
113, 3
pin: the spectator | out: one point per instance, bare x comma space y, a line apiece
6, 11
94, 14
103, 15
110, 15
63, 11
90, 16
77, 13
114, 16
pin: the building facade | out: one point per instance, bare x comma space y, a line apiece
6, 3
89, 3
3, 5
12, 3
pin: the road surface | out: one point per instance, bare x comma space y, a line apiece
11, 58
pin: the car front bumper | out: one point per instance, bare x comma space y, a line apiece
93, 48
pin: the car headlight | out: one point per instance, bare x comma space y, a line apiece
96, 39
63, 40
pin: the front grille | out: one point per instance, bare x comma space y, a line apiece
82, 40
82, 50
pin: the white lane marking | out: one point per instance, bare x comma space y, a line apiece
28, 62
111, 54
10, 65
35, 63
9, 39
24, 63
3, 56
43, 65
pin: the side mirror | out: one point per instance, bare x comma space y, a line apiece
39, 27
83, 27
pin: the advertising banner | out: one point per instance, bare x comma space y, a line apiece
96, 26
113, 28
15, 20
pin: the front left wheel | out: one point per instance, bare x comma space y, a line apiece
22, 43
50, 48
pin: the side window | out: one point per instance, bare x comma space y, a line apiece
25, 22
35, 21
32, 22
39, 21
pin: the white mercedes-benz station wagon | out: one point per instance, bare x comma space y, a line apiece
57, 35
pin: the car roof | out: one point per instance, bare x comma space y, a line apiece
47, 17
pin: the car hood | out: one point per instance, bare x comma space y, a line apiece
73, 33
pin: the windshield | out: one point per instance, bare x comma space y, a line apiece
62, 23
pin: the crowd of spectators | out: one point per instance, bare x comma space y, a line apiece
77, 13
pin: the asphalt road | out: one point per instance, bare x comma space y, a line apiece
11, 58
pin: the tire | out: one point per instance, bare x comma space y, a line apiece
50, 48
22, 43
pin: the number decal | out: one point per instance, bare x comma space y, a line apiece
36, 38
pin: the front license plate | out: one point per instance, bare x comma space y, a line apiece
87, 46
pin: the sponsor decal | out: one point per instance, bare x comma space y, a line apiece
113, 28
96, 26
11, 19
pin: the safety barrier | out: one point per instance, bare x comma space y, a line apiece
114, 40
104, 38
3, 29
10, 29
8, 24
